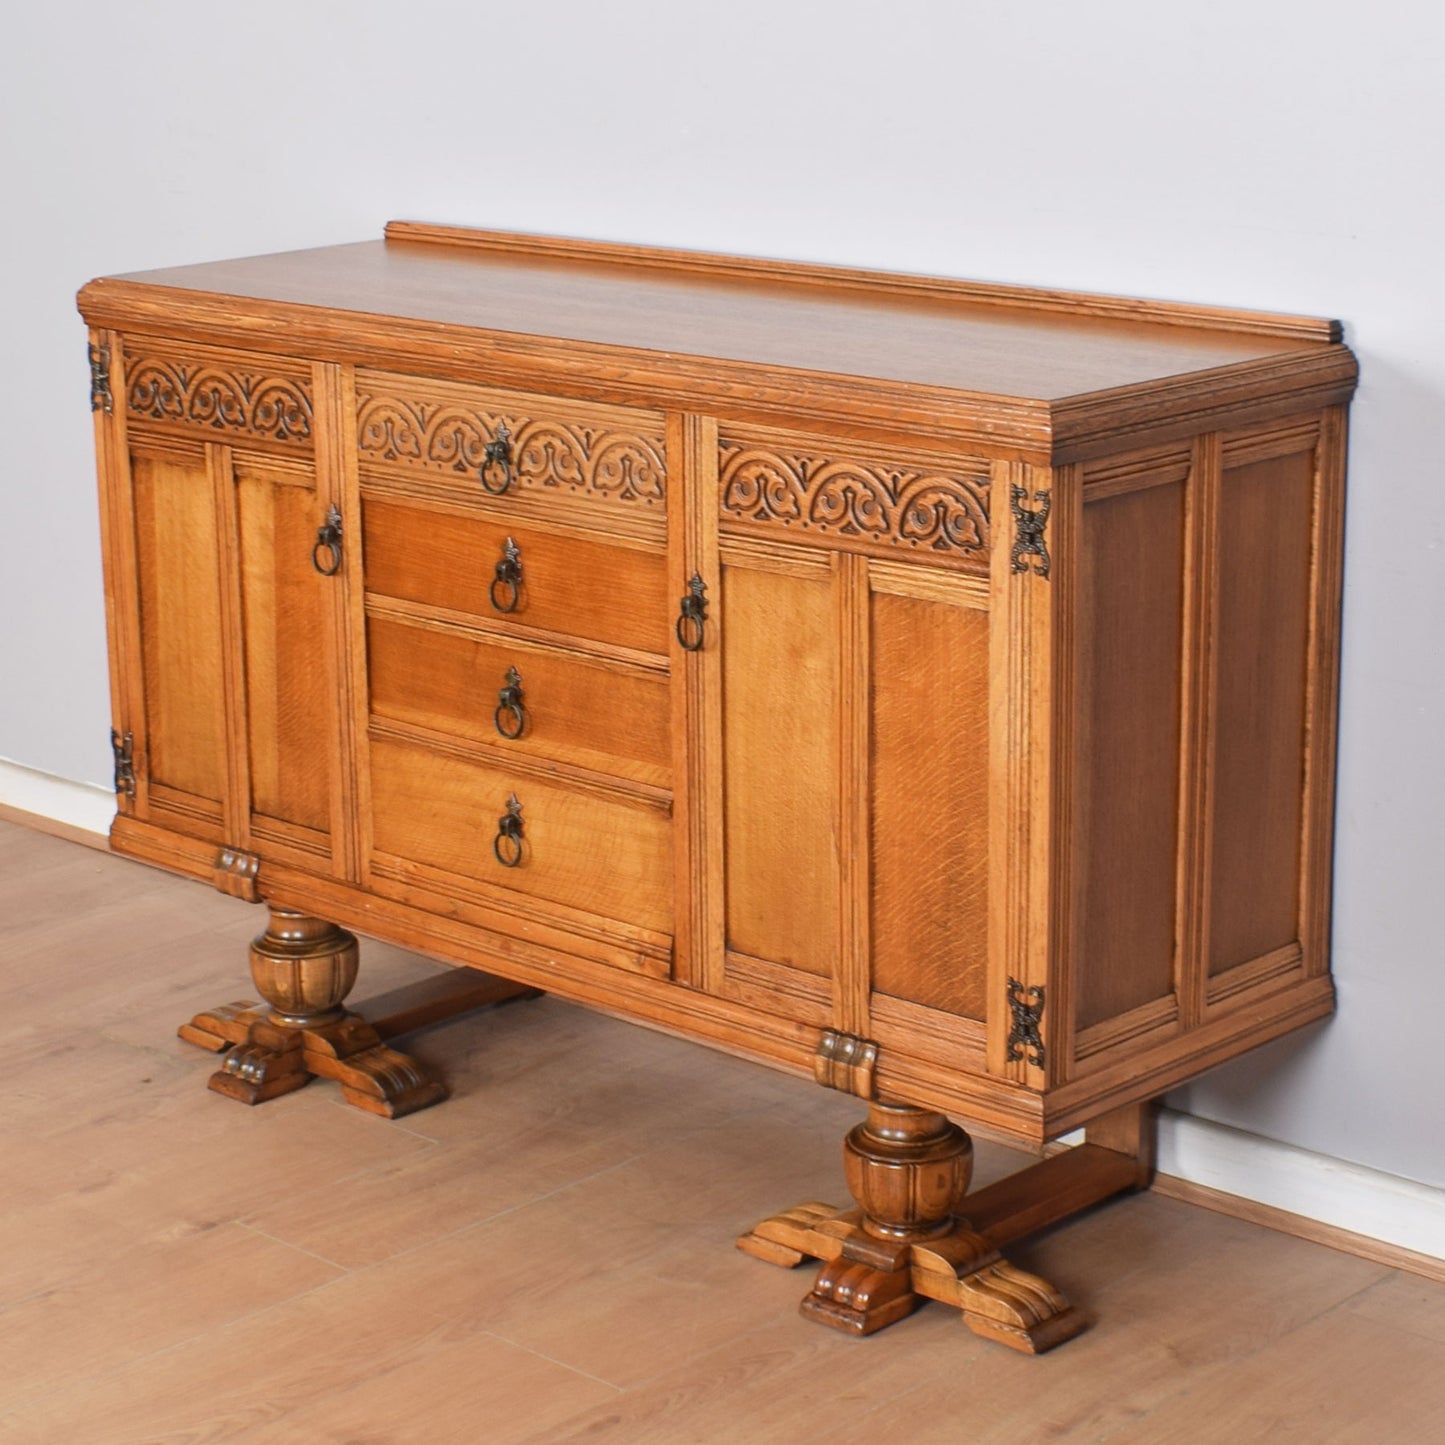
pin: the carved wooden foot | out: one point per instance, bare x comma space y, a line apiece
304, 968
909, 1170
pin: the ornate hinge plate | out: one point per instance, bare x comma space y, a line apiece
1029, 524
1025, 1040
100, 398
845, 1062
123, 746
235, 873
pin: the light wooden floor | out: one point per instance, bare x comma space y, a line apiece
548, 1256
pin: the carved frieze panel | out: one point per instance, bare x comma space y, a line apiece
545, 454
866, 504
232, 397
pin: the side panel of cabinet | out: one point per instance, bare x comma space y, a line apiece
1261, 658
1129, 735
1207, 645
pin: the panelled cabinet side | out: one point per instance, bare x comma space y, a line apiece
1204, 688
927, 686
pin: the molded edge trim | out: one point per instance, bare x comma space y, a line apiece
898, 283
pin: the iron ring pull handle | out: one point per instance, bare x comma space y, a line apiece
326, 554
497, 453
507, 845
511, 715
691, 615
506, 588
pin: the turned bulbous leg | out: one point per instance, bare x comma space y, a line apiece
304, 968
909, 1170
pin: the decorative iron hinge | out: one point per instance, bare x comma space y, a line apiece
123, 746
1025, 1041
1029, 523
845, 1062
100, 399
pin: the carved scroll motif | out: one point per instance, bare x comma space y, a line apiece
548, 455
892, 506
277, 408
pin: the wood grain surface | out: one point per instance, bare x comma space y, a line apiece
939, 340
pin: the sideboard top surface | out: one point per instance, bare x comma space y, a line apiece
986, 340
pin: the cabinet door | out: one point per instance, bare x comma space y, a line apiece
224, 630
854, 699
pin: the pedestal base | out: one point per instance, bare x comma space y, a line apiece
305, 968
934, 1241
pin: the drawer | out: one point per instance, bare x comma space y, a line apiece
567, 583
599, 852
517, 446
609, 717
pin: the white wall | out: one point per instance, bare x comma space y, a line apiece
1283, 154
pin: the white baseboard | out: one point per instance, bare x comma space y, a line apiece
1330, 1191
77, 805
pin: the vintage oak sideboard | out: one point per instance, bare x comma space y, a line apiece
923, 685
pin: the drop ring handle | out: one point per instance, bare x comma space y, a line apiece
326, 554
506, 588
497, 453
507, 845
691, 615
511, 714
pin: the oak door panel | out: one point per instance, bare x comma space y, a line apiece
929, 809
180, 624
780, 751
290, 719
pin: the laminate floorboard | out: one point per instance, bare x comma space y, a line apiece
547, 1256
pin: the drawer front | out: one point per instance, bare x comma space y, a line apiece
515, 446
536, 701
851, 497
567, 583
594, 851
